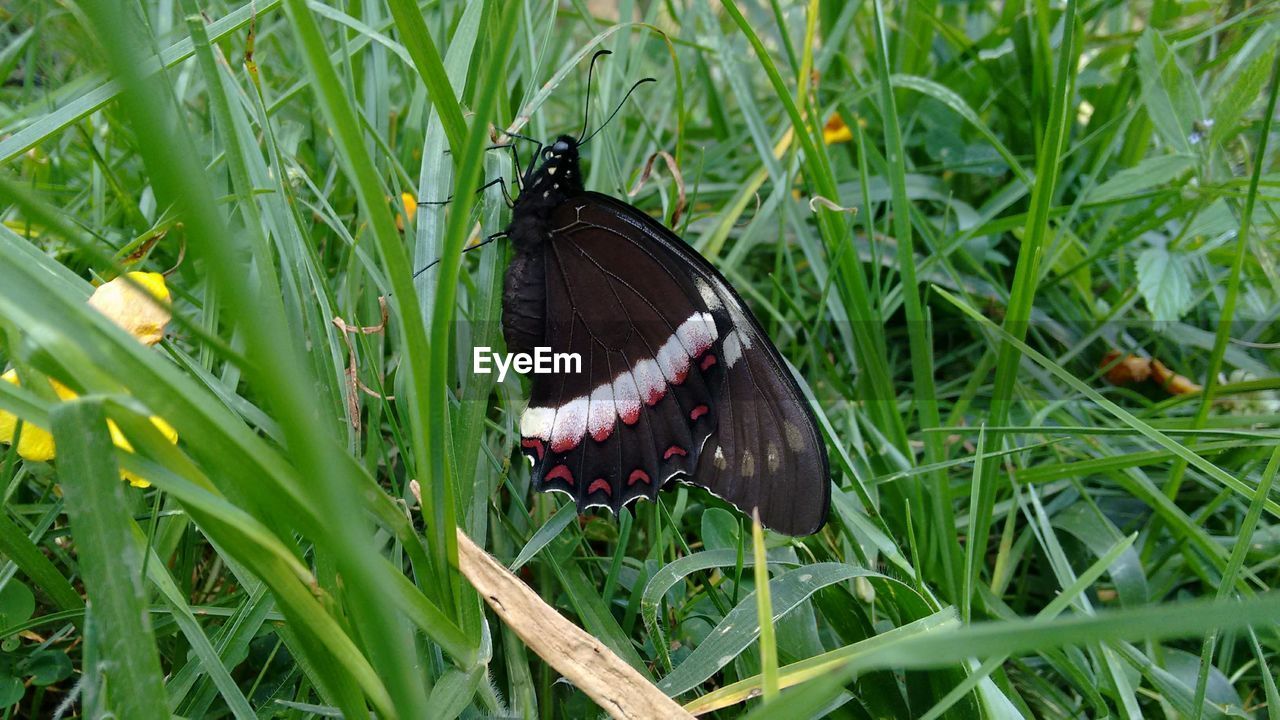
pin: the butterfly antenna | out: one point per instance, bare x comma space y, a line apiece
615, 110
586, 112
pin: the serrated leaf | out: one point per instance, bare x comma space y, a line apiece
1241, 83
1149, 173
1168, 91
1163, 283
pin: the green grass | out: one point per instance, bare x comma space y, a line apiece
1035, 184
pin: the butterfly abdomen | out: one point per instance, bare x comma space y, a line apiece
524, 291
524, 301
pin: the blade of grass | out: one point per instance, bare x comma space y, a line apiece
852, 284
1244, 537
106, 89
764, 613
109, 560
1012, 637
942, 530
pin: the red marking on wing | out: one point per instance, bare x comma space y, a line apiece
600, 484
680, 376
638, 475
564, 444
603, 434
560, 472
654, 395
707, 361
534, 444
674, 450
631, 416
698, 412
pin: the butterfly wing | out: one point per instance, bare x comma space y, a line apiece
678, 379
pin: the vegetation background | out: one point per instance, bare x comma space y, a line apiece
1036, 184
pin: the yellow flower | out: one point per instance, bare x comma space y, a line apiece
36, 443
127, 307
835, 131
410, 203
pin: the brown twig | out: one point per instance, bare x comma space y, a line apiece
352, 373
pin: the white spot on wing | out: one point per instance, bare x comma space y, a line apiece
794, 439
672, 359
771, 457
748, 464
719, 459
570, 423
708, 294
535, 422
601, 415
732, 348
649, 380
697, 333
626, 397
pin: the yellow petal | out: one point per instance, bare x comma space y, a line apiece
410, 205
121, 442
835, 131
133, 311
36, 443
133, 479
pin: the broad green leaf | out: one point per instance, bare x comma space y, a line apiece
16, 603
47, 667
1163, 283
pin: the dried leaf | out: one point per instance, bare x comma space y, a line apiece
591, 666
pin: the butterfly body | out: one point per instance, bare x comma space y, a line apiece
678, 380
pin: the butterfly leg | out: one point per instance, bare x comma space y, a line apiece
516, 157
468, 248
496, 181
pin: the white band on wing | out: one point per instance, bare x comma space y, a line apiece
621, 398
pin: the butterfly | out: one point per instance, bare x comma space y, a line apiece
678, 382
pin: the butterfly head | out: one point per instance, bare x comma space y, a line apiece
558, 174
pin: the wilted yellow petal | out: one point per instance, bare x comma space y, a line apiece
129, 308
835, 131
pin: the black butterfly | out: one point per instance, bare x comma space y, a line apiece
678, 381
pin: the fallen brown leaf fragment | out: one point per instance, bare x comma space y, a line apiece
607, 679
1128, 369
